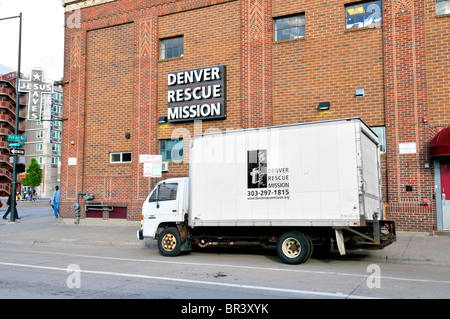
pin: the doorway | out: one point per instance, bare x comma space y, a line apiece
442, 182
445, 193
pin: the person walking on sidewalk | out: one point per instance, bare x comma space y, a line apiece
55, 201
9, 203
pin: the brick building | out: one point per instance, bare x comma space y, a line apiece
8, 96
384, 61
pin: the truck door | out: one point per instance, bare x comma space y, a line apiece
162, 207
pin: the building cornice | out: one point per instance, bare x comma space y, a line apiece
71, 5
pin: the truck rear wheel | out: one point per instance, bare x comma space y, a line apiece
293, 247
169, 242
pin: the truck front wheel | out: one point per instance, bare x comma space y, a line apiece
293, 247
169, 242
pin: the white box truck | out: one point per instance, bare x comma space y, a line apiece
296, 187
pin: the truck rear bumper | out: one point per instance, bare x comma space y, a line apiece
376, 235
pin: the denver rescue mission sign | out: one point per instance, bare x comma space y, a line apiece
197, 94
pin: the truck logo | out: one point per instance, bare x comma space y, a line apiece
257, 169
264, 181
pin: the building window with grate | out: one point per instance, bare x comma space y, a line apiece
289, 27
171, 47
363, 14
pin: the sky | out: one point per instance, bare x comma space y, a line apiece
42, 36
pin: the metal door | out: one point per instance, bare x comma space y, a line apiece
445, 194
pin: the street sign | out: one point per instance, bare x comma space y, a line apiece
17, 151
17, 138
20, 159
14, 144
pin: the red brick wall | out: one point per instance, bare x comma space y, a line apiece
327, 65
129, 38
438, 65
403, 66
406, 104
218, 44
109, 99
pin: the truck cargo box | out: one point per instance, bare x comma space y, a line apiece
314, 174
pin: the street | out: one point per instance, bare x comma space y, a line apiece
138, 271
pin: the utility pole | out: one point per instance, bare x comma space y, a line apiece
16, 128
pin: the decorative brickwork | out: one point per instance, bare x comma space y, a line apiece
408, 182
118, 84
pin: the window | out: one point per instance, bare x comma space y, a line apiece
124, 157
40, 134
291, 27
381, 133
165, 192
56, 134
56, 160
57, 108
442, 7
171, 150
363, 14
56, 147
172, 48
39, 147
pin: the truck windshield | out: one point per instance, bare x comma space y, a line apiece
165, 192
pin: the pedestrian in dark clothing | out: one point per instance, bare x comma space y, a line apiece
9, 203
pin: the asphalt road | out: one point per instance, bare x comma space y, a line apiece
140, 272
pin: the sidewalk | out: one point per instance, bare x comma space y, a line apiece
410, 248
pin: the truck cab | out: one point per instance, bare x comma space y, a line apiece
165, 206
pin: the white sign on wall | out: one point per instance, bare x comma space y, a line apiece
407, 148
72, 161
152, 165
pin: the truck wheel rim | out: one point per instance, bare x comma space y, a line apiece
169, 242
291, 247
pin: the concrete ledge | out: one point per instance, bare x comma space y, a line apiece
100, 222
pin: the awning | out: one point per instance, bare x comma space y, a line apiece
440, 144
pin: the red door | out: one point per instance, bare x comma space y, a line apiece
445, 193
